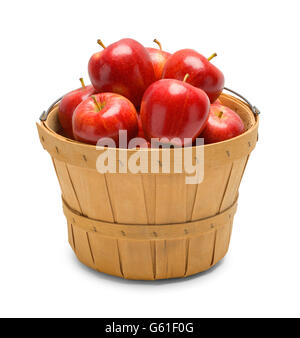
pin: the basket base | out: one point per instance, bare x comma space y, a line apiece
138, 252
93, 267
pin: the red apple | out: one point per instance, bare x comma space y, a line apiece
141, 130
124, 68
94, 59
104, 115
174, 109
158, 58
203, 74
142, 143
223, 124
69, 103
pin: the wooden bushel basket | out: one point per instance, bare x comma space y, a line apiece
149, 226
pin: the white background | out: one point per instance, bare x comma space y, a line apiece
45, 47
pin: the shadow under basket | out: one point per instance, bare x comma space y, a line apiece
149, 226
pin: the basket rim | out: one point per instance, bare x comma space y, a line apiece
206, 146
215, 154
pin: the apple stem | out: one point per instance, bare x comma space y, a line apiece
212, 56
101, 43
185, 77
82, 82
157, 42
220, 114
96, 102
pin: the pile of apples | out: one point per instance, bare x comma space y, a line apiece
151, 94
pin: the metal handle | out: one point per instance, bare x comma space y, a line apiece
45, 113
254, 109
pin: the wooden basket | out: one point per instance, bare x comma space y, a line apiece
149, 226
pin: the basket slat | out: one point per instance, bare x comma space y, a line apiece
149, 188
200, 253
71, 235
191, 192
91, 191
222, 242
127, 197
66, 184
106, 254
211, 191
233, 183
136, 258
83, 247
170, 199
170, 258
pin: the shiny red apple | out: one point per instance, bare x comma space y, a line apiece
94, 59
69, 103
223, 124
203, 74
141, 142
124, 68
158, 58
141, 130
174, 109
104, 115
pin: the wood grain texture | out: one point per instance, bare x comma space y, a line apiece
233, 183
155, 259
149, 186
136, 258
106, 255
222, 241
70, 235
127, 197
91, 191
83, 247
200, 253
66, 185
191, 193
210, 191
170, 258
148, 256
170, 199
